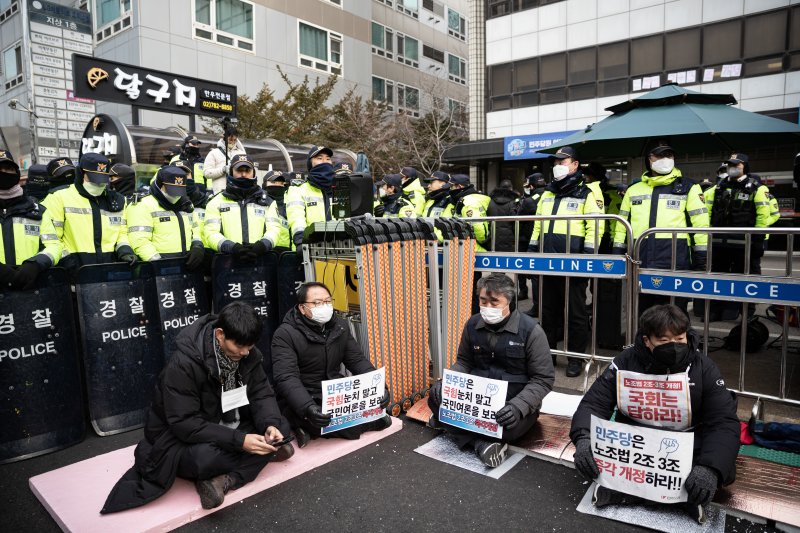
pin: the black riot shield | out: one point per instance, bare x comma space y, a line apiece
41, 404
254, 283
122, 349
290, 277
182, 299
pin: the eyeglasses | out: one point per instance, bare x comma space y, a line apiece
317, 303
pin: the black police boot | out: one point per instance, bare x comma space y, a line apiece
574, 367
302, 436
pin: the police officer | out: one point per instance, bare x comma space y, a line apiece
392, 202
162, 224
123, 180
413, 189
198, 194
531, 193
61, 173
739, 200
28, 244
596, 173
274, 183
664, 198
89, 218
342, 168
567, 194
37, 185
190, 152
438, 196
310, 201
236, 219
466, 202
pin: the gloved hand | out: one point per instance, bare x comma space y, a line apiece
195, 257
260, 248
533, 248
240, 251
508, 416
701, 484
699, 261
226, 170
379, 210
313, 413
387, 397
128, 257
584, 462
7, 275
26, 274
436, 393
297, 238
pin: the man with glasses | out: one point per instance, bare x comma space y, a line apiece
309, 347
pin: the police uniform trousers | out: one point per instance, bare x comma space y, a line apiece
553, 305
727, 258
206, 460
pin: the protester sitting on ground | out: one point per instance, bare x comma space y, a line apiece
310, 346
502, 343
213, 419
665, 345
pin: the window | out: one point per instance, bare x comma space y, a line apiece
387, 2
647, 55
456, 69
500, 79
553, 72
319, 49
527, 75
8, 8
407, 50
433, 54
12, 66
456, 25
682, 49
408, 100
458, 111
409, 7
383, 91
382, 41
227, 22
111, 17
437, 8
765, 34
612, 61
794, 30
582, 66
721, 42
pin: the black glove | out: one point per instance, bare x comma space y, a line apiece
387, 397
260, 248
699, 261
240, 251
26, 274
701, 484
7, 276
379, 210
128, 257
508, 416
584, 462
436, 393
195, 257
533, 248
313, 413
297, 238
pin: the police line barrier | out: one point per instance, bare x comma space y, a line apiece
42, 407
123, 351
745, 289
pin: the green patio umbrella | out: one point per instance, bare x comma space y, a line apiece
692, 122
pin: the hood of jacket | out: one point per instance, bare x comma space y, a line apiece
503, 196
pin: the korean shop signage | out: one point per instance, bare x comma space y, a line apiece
110, 81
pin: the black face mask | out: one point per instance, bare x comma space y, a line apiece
8, 180
275, 192
194, 152
671, 355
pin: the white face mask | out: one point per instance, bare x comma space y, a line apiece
663, 166
527, 190
492, 315
734, 172
559, 171
95, 189
322, 314
381, 192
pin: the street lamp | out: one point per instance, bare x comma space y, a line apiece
16, 105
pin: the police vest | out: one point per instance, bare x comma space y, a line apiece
415, 193
735, 207
152, 229
500, 355
305, 205
400, 208
241, 221
21, 232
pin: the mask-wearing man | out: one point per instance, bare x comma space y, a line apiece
61, 173
467, 202
531, 193
75, 210
392, 202
666, 350
310, 201
29, 244
313, 338
412, 188
123, 180
274, 183
502, 343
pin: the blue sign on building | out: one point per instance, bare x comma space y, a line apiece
527, 146
739, 288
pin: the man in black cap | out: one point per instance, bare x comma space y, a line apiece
438, 196
37, 185
467, 202
342, 168
61, 173
29, 243
274, 183
392, 202
310, 202
413, 189
123, 180
76, 210
190, 152
504, 201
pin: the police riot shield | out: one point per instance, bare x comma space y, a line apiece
41, 407
290, 277
254, 283
122, 349
182, 299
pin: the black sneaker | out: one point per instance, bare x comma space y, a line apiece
603, 496
302, 437
284, 452
491, 453
212, 491
382, 423
574, 368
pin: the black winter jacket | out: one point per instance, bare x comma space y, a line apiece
715, 423
504, 203
186, 409
305, 353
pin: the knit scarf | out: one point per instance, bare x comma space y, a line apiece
13, 192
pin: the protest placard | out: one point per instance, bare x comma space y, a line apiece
655, 400
470, 402
646, 462
353, 400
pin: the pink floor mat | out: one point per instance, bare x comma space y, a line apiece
74, 494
